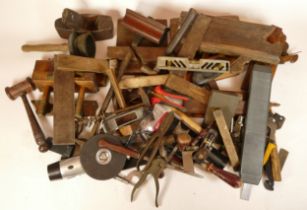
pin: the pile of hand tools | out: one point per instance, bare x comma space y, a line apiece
163, 107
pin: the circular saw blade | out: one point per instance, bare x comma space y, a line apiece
99, 162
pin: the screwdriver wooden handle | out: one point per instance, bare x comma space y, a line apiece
44, 47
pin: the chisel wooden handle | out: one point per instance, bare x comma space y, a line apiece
44, 47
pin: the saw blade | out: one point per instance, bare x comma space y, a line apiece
99, 162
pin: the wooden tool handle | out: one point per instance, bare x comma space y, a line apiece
119, 97
36, 129
44, 47
80, 101
41, 108
231, 179
268, 152
188, 121
276, 168
119, 149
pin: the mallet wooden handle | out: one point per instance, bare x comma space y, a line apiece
36, 129
21, 89
45, 47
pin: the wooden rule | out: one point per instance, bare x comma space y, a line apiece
227, 140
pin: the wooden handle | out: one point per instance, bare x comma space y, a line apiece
44, 47
142, 81
41, 107
268, 152
188, 121
38, 134
118, 93
276, 168
119, 149
231, 179
80, 101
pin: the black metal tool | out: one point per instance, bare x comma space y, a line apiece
274, 166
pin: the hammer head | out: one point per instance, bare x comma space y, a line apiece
20, 89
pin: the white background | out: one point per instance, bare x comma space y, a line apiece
24, 182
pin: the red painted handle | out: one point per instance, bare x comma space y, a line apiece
158, 89
231, 179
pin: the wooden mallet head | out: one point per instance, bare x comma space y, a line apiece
20, 89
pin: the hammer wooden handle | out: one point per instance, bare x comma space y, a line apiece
45, 47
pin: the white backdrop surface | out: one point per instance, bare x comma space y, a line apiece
24, 182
